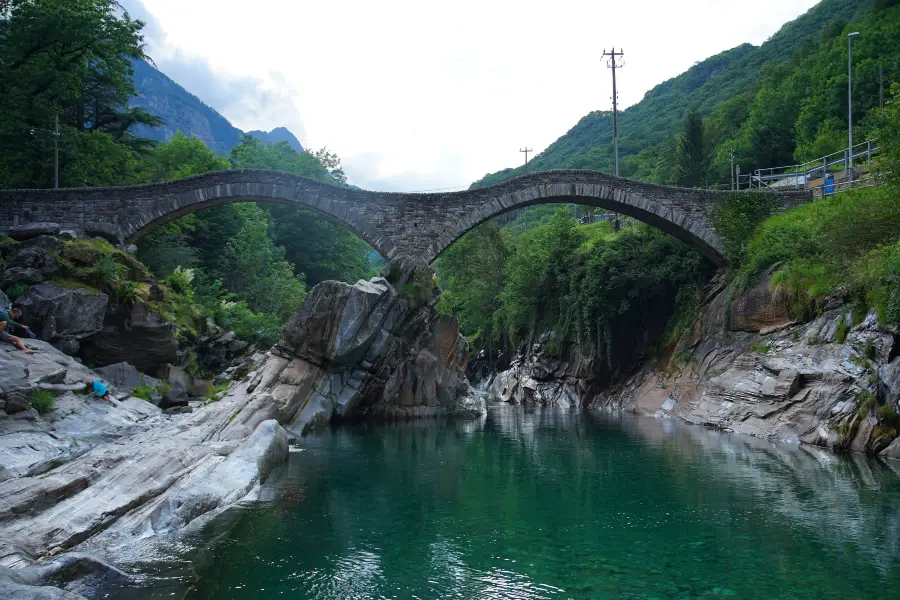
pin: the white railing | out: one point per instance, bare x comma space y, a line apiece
799, 176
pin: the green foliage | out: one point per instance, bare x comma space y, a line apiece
71, 59
471, 273
886, 128
43, 401
692, 157
865, 404
738, 217
260, 328
760, 348
841, 331
585, 283
15, 290
182, 156
254, 268
144, 392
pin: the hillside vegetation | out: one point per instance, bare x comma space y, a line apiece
773, 104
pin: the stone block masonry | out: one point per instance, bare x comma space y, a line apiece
420, 225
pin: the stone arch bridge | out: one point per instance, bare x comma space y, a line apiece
421, 225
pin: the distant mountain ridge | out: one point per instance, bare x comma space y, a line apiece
185, 112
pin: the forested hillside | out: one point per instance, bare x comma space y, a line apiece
783, 100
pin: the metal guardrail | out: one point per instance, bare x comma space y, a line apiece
799, 176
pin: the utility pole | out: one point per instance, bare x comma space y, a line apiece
850, 37
56, 154
615, 98
526, 150
732, 169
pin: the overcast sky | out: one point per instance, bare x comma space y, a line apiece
421, 95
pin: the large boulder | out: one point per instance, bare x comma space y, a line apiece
889, 382
57, 313
125, 377
24, 232
758, 310
373, 349
108, 231
134, 334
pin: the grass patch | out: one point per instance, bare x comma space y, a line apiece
144, 392
849, 241
840, 333
42, 401
760, 348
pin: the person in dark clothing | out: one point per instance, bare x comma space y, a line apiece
7, 323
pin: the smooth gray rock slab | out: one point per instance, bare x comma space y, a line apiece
57, 313
229, 482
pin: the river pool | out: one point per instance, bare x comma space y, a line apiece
530, 504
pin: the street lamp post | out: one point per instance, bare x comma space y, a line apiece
850, 37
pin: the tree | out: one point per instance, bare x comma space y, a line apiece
69, 59
182, 156
692, 157
886, 127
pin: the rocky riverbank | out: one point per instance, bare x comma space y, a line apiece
88, 476
745, 366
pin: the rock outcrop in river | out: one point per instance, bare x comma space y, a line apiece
745, 367
376, 349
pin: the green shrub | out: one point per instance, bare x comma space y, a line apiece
841, 331
887, 415
865, 403
760, 347
16, 290
144, 392
738, 217
43, 401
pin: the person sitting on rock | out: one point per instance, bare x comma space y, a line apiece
101, 391
7, 322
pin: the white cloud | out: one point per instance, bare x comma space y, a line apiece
424, 95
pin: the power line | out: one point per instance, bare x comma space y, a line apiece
615, 98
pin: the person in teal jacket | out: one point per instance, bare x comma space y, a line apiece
101, 391
7, 322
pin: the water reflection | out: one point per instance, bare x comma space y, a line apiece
544, 503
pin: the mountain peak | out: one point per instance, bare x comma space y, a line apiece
279, 134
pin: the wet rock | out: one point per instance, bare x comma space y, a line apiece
56, 313
24, 232
227, 483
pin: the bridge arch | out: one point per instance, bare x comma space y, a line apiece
421, 225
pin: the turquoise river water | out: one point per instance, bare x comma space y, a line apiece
531, 504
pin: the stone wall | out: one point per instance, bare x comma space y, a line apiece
421, 225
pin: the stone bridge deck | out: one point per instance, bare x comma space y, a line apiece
421, 225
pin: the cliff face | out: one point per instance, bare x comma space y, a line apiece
376, 349
746, 367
